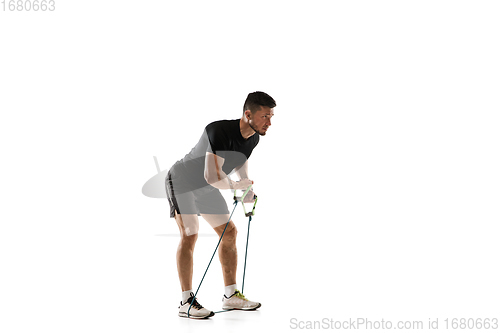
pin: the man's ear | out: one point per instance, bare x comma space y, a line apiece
248, 114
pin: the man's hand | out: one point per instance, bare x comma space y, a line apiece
242, 184
249, 198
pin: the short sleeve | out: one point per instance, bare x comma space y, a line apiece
217, 140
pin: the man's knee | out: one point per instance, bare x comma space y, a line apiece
189, 241
231, 233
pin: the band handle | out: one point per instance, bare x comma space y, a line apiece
236, 199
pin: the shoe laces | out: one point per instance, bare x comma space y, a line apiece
240, 295
195, 304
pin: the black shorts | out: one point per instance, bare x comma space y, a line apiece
183, 200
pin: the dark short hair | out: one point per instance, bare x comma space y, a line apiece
257, 99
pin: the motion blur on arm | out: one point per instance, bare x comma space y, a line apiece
218, 178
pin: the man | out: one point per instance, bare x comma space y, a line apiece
193, 185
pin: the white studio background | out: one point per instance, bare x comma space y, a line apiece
378, 180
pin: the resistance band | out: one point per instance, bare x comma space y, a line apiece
249, 215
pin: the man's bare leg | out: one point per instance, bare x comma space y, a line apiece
188, 227
229, 260
228, 254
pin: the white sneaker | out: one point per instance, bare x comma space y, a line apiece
237, 301
196, 312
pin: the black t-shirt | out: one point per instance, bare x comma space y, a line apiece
222, 138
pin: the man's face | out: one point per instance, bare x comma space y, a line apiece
261, 120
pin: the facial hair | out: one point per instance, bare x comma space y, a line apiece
256, 131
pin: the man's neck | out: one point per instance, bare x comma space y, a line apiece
245, 129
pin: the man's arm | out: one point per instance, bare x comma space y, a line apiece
218, 178
242, 170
